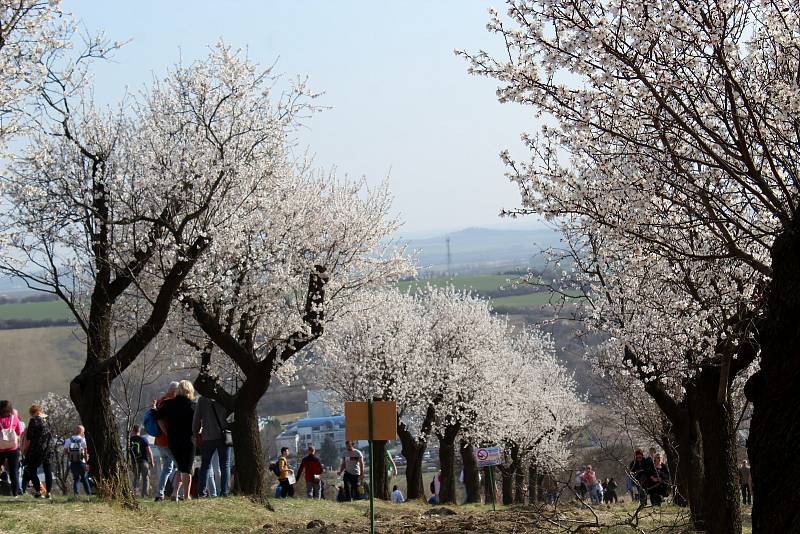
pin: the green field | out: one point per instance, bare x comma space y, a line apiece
526, 301
38, 360
54, 310
491, 283
488, 282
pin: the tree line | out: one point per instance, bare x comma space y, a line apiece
668, 160
182, 220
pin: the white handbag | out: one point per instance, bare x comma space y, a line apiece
9, 439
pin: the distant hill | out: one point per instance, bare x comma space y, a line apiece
482, 250
38, 360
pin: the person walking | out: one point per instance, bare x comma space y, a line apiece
353, 469
660, 487
10, 431
589, 479
162, 444
78, 454
611, 491
311, 467
141, 458
746, 483
642, 470
38, 450
580, 488
209, 426
285, 485
176, 415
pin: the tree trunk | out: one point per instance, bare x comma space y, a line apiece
412, 450
720, 481
520, 489
508, 485
489, 485
381, 477
669, 442
447, 461
471, 478
685, 459
533, 489
775, 425
91, 395
250, 462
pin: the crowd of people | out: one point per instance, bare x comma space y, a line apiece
27, 448
648, 478
184, 427
588, 484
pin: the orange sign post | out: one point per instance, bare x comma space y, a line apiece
384, 420
370, 420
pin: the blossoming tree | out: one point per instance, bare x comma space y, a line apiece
675, 125
379, 349
32, 32
304, 246
110, 211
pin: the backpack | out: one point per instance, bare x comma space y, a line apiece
275, 469
8, 437
135, 450
151, 424
75, 450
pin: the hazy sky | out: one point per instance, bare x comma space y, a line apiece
402, 103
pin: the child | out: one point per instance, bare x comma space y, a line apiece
397, 496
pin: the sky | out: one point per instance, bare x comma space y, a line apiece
402, 104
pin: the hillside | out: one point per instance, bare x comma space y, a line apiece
474, 253
482, 250
38, 360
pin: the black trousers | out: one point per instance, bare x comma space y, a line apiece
747, 497
351, 486
287, 490
31, 473
11, 461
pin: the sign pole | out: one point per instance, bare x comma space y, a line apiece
371, 472
491, 484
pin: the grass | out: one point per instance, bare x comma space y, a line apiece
235, 514
238, 514
53, 310
489, 282
37, 360
525, 301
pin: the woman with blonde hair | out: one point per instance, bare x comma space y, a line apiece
38, 449
176, 414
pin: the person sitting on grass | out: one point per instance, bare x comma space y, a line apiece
341, 496
397, 496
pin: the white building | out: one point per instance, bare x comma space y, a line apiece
312, 431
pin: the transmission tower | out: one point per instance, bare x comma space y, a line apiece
449, 258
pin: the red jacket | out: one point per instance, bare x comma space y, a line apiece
310, 466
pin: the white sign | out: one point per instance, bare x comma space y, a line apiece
488, 456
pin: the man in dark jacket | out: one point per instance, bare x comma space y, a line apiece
312, 468
643, 472
208, 425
